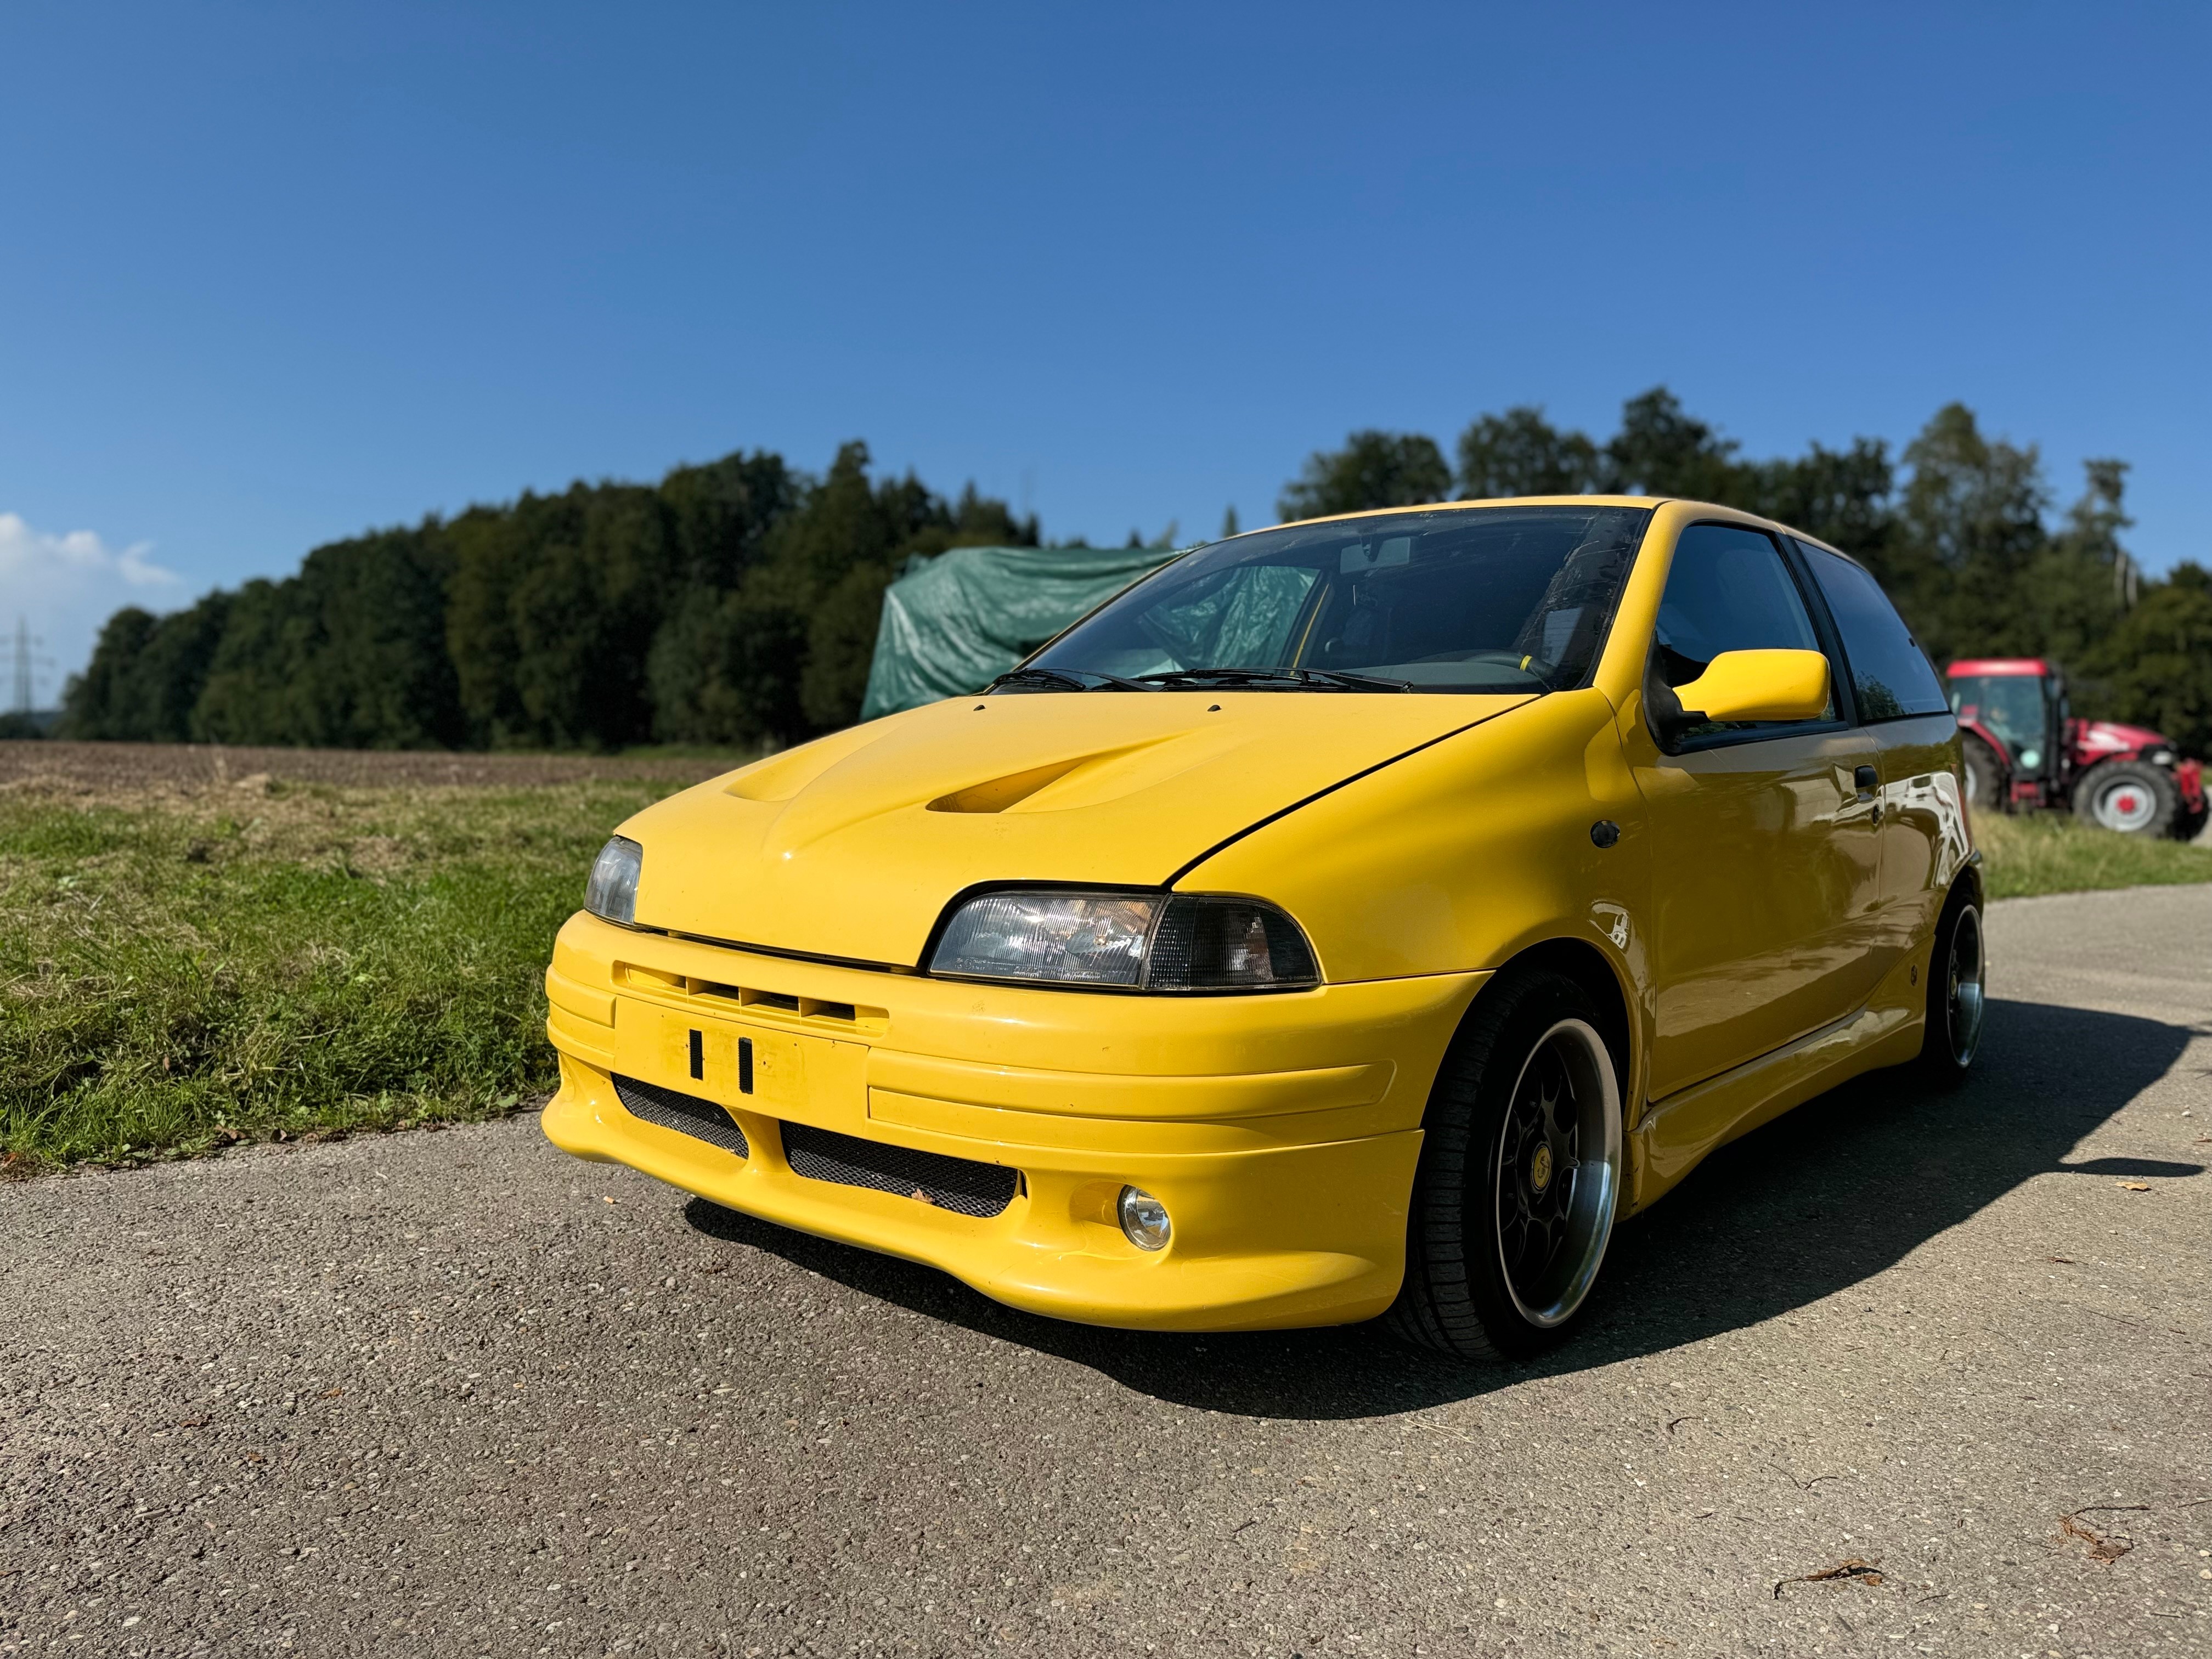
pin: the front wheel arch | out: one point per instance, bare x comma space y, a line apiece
1592, 969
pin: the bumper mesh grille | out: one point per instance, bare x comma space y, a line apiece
685, 1114
951, 1183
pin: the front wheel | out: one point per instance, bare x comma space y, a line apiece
1520, 1176
2133, 797
1957, 976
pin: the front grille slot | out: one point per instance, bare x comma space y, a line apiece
685, 1114
720, 998
951, 1183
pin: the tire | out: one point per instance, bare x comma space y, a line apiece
1985, 781
1520, 1176
2131, 796
1958, 991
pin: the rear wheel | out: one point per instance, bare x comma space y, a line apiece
1520, 1176
1985, 776
1957, 990
2131, 796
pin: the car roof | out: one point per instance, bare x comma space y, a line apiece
1737, 514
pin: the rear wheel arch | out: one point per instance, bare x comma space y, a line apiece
1969, 880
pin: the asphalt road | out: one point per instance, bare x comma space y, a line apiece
455, 1394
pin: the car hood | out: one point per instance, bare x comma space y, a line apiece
851, 846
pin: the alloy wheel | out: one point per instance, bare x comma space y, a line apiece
1558, 1173
1963, 991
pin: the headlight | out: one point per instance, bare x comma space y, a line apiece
1148, 941
611, 893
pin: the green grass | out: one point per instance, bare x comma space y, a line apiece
2051, 853
180, 970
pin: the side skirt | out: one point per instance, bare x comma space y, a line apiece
1674, 1133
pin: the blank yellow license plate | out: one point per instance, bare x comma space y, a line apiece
737, 1066
812, 1079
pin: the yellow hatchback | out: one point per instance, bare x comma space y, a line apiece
1354, 917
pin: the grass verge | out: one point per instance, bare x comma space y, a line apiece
182, 970
2051, 853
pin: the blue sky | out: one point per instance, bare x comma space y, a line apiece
281, 273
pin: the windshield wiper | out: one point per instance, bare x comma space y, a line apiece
1330, 679
1359, 681
1066, 681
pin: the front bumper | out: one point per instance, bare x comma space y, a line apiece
1281, 1132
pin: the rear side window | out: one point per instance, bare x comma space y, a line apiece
1891, 673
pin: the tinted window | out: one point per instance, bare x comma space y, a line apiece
1891, 673
1458, 599
1728, 590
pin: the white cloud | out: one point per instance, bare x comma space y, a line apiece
66, 586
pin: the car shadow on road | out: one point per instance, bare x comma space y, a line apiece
1828, 1195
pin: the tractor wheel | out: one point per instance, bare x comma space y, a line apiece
1985, 776
2131, 796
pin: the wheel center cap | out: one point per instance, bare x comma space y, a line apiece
1540, 1169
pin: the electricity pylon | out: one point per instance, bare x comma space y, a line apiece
28, 661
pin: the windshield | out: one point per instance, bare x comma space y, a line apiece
2011, 706
1507, 599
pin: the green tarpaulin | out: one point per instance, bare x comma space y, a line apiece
968, 615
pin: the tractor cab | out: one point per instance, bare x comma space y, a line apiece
2017, 707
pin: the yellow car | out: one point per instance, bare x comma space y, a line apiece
1354, 917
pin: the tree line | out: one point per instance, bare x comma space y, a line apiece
1960, 528
736, 603
730, 603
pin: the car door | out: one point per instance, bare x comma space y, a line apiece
1765, 865
1902, 705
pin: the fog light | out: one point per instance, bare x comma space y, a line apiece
1143, 1218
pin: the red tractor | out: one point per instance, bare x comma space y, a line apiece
2024, 749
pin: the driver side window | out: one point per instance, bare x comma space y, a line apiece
1728, 590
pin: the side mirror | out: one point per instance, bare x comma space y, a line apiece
1740, 685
